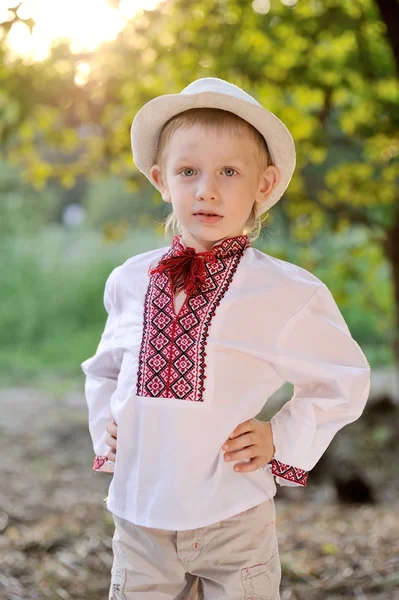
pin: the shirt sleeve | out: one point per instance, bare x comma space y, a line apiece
331, 379
101, 371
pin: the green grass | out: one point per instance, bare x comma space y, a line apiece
51, 307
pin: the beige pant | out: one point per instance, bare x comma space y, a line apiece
234, 559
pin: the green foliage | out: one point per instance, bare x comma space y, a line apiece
324, 68
22, 208
108, 199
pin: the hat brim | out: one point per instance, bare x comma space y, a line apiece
149, 120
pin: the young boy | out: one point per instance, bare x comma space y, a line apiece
199, 334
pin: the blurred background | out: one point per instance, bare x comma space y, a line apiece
73, 206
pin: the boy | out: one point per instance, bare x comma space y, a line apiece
199, 334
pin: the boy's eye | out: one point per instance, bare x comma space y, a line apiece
230, 169
187, 169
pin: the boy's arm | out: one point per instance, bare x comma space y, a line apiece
331, 378
102, 372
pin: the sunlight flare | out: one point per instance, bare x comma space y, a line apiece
84, 24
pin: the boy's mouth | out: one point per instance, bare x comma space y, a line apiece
207, 213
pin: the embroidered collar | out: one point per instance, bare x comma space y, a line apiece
222, 249
186, 266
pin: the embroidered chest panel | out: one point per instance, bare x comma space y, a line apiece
172, 359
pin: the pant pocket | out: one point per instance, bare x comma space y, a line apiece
118, 580
262, 582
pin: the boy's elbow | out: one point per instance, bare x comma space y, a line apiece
360, 395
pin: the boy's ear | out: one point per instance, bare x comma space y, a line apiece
156, 177
268, 181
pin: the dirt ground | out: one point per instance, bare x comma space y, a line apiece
55, 530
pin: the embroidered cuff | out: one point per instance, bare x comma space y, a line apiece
288, 472
101, 463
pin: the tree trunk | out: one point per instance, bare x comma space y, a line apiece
389, 12
391, 247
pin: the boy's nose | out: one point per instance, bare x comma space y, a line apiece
207, 190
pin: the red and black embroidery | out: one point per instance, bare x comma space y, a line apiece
98, 462
288, 472
172, 355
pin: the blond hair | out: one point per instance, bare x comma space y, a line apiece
219, 120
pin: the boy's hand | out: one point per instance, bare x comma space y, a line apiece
112, 429
252, 439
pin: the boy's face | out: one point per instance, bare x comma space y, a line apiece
216, 173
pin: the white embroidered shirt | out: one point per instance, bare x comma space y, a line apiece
179, 378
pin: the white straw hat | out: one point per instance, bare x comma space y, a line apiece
216, 93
